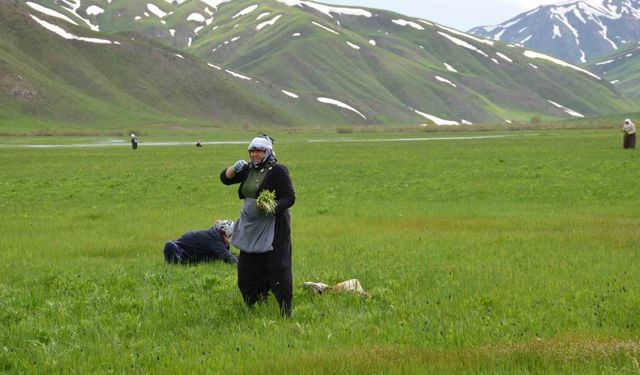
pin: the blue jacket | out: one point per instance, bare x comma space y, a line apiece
205, 246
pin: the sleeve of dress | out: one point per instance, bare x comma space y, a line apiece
285, 195
221, 252
235, 179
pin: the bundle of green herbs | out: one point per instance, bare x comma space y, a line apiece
266, 201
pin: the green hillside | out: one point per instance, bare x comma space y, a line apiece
298, 63
622, 69
405, 67
47, 80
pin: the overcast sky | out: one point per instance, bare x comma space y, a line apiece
460, 14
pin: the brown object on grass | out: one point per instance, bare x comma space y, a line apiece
352, 285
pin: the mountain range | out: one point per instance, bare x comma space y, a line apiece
285, 62
622, 69
574, 31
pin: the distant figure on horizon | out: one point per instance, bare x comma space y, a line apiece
629, 130
202, 246
199, 143
134, 141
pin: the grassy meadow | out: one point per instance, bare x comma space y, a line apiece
516, 254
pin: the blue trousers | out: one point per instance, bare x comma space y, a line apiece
173, 253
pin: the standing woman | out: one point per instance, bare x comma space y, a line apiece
629, 130
264, 238
134, 141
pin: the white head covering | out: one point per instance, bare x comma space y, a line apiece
225, 226
262, 143
627, 121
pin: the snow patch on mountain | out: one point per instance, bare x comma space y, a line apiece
603, 31
498, 36
328, 10
605, 62
538, 55
525, 40
462, 43
72, 6
156, 10
245, 11
504, 57
50, 12
460, 33
238, 75
290, 94
354, 46
67, 35
436, 120
407, 23
340, 104
271, 22
326, 28
94, 10
450, 68
567, 110
444, 80
211, 3
196, 17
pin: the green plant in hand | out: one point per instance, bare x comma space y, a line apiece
267, 201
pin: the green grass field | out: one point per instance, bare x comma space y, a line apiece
512, 255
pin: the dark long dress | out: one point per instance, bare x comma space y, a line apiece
259, 273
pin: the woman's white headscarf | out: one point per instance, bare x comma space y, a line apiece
265, 143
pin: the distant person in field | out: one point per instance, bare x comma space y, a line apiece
202, 245
134, 141
263, 236
629, 130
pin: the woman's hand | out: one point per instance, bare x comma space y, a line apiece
237, 167
266, 201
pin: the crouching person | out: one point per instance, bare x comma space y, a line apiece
202, 246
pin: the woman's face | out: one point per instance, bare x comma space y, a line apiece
256, 155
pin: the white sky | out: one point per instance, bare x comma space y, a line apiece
459, 14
